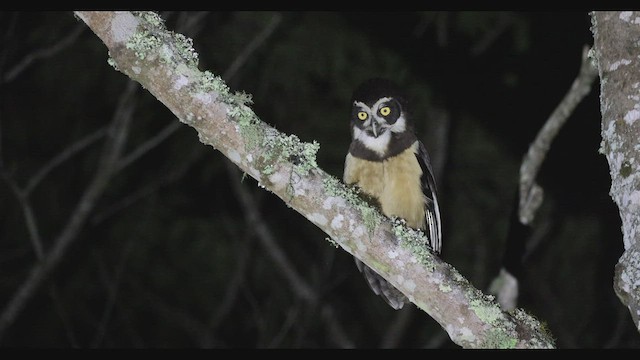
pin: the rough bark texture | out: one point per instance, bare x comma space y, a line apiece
617, 54
166, 65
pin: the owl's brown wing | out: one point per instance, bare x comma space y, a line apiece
432, 211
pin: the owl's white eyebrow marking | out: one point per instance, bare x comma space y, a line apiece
380, 101
362, 105
375, 105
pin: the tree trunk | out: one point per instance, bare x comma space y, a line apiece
616, 52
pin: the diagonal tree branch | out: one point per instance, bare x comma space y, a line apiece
166, 65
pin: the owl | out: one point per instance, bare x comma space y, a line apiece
391, 165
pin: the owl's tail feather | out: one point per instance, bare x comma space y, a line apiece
382, 287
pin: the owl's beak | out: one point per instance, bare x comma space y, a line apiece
375, 127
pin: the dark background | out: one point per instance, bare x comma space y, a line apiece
171, 257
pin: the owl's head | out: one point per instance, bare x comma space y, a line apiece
379, 116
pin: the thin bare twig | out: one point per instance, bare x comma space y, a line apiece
36, 243
293, 313
178, 316
395, 331
112, 286
191, 23
63, 156
23, 194
143, 148
42, 269
43, 53
275, 252
241, 59
266, 238
27, 213
6, 37
335, 329
62, 313
530, 192
490, 36
243, 254
437, 341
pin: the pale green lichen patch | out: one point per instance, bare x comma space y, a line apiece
283, 148
185, 50
544, 339
150, 17
210, 82
498, 338
444, 288
143, 42
413, 240
333, 243
502, 333
238, 107
171, 47
112, 62
486, 310
370, 215
456, 276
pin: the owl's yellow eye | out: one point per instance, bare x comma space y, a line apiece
362, 115
385, 111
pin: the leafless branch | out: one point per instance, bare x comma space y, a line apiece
395, 331
279, 257
530, 192
490, 36
62, 313
194, 327
253, 45
243, 254
29, 217
293, 313
148, 145
43, 53
335, 329
63, 156
437, 341
112, 286
266, 238
42, 269
191, 22
6, 37
149, 188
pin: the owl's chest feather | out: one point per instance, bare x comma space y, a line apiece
395, 182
